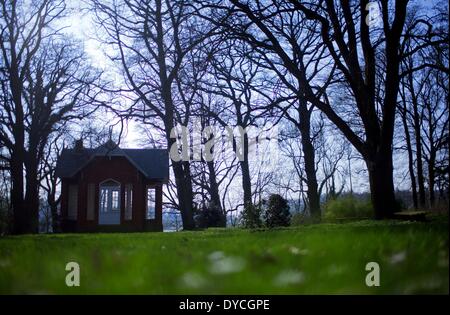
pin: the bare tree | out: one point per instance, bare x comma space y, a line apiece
423, 110
231, 79
45, 82
354, 48
280, 39
155, 42
49, 182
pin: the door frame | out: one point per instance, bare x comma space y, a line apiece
110, 217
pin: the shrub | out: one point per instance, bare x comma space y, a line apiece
210, 216
347, 207
251, 217
301, 218
277, 212
5, 218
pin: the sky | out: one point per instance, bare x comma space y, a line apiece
81, 26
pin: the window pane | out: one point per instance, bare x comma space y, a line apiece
128, 202
115, 200
104, 200
151, 203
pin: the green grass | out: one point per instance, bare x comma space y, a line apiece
322, 259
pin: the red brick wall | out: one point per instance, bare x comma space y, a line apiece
121, 170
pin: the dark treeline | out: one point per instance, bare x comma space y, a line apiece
350, 92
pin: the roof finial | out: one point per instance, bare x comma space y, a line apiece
110, 144
78, 145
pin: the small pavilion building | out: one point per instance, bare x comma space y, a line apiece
112, 189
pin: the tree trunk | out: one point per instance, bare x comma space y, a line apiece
431, 176
32, 195
420, 177
180, 168
382, 185
245, 170
246, 182
184, 196
309, 158
182, 174
379, 146
17, 203
55, 218
21, 223
53, 203
418, 140
214, 191
410, 157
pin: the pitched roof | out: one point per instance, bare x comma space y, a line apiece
153, 163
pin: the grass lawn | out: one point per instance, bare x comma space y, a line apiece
323, 259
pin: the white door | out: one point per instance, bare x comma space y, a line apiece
109, 209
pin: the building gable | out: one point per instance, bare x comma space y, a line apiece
152, 163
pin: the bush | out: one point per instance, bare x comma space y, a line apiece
209, 216
348, 207
5, 218
277, 212
301, 218
251, 217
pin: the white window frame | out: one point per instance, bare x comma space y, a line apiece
128, 215
147, 208
110, 189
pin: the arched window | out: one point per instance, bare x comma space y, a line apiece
109, 210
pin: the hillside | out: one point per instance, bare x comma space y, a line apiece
324, 258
